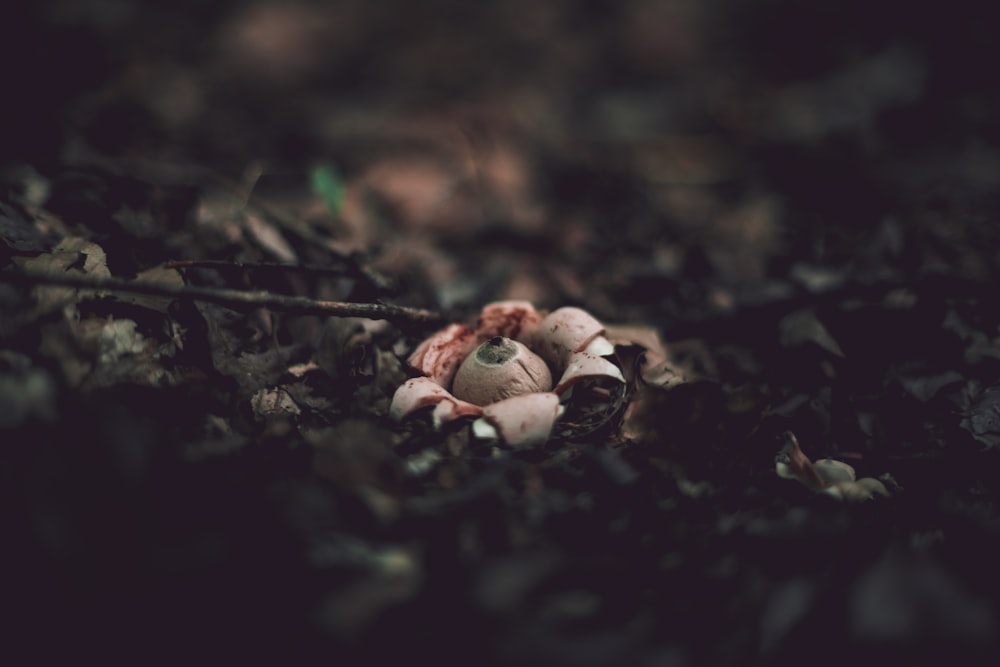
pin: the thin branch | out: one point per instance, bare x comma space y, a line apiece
236, 299
351, 268
161, 173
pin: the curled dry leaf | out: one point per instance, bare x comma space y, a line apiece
834, 478
501, 371
71, 255
654, 364
273, 402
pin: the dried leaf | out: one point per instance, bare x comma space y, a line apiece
802, 326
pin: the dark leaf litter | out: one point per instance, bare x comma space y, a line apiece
799, 200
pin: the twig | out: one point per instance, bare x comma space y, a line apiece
299, 305
161, 173
352, 268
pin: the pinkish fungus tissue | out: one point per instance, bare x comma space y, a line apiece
834, 478
514, 372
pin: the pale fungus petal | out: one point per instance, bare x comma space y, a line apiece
484, 430
600, 347
584, 366
524, 420
439, 356
565, 331
450, 408
421, 392
859, 491
511, 319
792, 463
831, 471
874, 485
783, 470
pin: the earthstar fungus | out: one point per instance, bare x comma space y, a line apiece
514, 371
828, 476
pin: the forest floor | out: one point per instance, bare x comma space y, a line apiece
792, 209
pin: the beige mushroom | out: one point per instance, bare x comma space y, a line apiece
498, 369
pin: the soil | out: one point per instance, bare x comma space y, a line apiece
785, 212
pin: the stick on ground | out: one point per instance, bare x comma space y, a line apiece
237, 299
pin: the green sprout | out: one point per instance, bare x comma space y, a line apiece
326, 183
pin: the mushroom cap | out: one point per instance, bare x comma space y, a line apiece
498, 369
439, 356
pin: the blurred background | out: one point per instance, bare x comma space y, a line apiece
658, 162
769, 125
